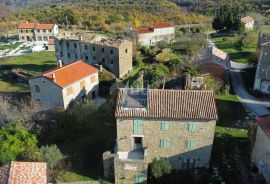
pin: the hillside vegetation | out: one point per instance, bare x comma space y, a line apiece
105, 15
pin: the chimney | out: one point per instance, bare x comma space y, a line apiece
80, 37
53, 77
60, 63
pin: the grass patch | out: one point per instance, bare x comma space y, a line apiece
233, 132
12, 46
234, 47
228, 97
34, 63
66, 176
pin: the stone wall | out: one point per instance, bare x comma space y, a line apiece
115, 59
126, 170
178, 135
50, 95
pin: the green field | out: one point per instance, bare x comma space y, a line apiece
34, 63
238, 51
13, 46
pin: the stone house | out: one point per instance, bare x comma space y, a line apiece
176, 124
36, 32
261, 149
155, 33
113, 54
24, 173
248, 22
59, 87
262, 77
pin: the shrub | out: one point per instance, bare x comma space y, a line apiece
15, 140
138, 60
214, 84
254, 57
160, 167
157, 73
51, 154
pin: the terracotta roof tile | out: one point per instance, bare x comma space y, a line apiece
151, 28
174, 104
247, 19
70, 73
24, 173
44, 26
264, 123
26, 26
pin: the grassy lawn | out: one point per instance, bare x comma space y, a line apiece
232, 45
12, 46
34, 63
231, 143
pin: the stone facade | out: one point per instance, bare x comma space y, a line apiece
262, 77
35, 32
260, 153
117, 58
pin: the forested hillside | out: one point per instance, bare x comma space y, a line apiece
106, 15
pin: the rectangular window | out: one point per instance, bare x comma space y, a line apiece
111, 62
94, 57
93, 79
139, 179
69, 91
68, 55
191, 144
44, 30
82, 84
85, 47
37, 88
126, 50
192, 127
111, 51
164, 143
75, 45
67, 45
86, 58
164, 125
94, 48
137, 126
103, 50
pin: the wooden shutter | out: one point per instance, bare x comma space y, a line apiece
192, 127
82, 84
69, 91
137, 126
164, 125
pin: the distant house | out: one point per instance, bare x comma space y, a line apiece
155, 33
24, 173
36, 32
59, 87
152, 123
260, 153
248, 22
262, 77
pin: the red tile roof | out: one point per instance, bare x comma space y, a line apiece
172, 104
151, 28
247, 19
70, 73
44, 26
264, 123
26, 26
35, 26
51, 42
24, 173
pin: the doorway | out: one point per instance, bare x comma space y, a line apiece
93, 94
138, 144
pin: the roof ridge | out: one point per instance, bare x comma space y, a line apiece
64, 66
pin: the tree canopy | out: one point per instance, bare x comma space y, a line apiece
15, 140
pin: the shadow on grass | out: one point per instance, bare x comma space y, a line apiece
29, 67
238, 55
